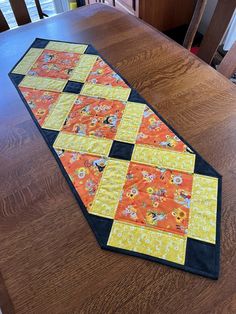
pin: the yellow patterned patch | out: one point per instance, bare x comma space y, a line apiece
84, 67
83, 144
155, 243
164, 158
130, 122
43, 83
110, 188
203, 209
104, 91
66, 47
60, 111
26, 63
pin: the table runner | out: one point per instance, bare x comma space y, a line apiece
144, 191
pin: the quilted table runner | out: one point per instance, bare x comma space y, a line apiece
144, 191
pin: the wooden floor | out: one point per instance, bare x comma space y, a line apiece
50, 261
47, 5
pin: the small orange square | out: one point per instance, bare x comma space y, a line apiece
157, 198
94, 116
55, 64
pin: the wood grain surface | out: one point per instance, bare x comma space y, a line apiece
49, 259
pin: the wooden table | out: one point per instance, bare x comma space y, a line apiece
50, 261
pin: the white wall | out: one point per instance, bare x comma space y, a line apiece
210, 7
230, 36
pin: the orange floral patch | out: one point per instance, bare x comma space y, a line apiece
94, 116
157, 198
103, 74
55, 64
40, 102
85, 172
156, 133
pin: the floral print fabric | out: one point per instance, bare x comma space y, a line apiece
102, 74
40, 102
55, 64
152, 197
94, 116
85, 172
156, 133
157, 198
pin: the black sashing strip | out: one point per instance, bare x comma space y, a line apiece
94, 221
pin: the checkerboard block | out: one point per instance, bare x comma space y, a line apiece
158, 244
110, 188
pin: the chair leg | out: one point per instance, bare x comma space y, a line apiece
227, 66
3, 23
193, 27
39, 9
222, 15
20, 11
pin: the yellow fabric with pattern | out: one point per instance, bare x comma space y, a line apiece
110, 188
104, 91
84, 67
155, 243
130, 122
66, 47
43, 83
203, 209
83, 144
164, 158
59, 113
29, 59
